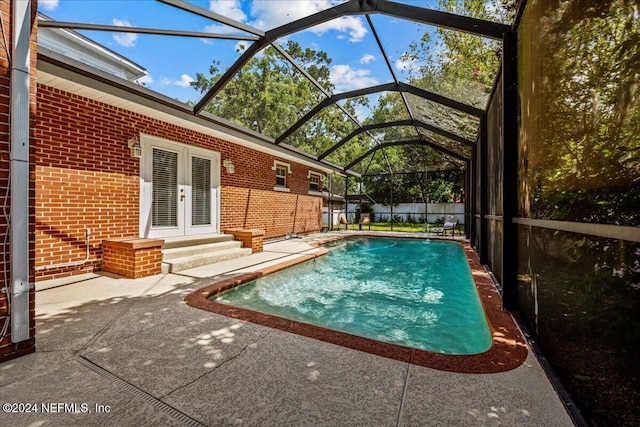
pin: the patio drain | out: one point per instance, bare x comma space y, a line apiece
158, 404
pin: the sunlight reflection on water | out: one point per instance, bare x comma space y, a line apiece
394, 290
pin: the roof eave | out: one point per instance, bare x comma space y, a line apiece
89, 77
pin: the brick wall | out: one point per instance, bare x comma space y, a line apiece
4, 157
85, 178
276, 213
8, 349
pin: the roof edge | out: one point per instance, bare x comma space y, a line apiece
85, 76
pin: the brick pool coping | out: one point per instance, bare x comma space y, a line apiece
507, 352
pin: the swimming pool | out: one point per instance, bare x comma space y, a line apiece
414, 293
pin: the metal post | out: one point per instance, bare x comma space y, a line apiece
360, 219
19, 170
330, 202
346, 204
425, 197
425, 193
482, 184
510, 169
467, 210
472, 187
391, 204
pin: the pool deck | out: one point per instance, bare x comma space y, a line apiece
137, 355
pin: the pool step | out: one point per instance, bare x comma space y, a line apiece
185, 253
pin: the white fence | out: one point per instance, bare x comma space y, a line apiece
335, 216
401, 212
415, 211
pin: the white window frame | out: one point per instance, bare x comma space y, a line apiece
317, 175
277, 164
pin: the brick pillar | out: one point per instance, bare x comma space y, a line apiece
132, 257
250, 238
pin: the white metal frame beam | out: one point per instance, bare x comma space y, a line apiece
19, 169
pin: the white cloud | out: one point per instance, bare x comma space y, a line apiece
272, 14
124, 39
219, 29
229, 8
49, 4
346, 78
147, 80
185, 81
362, 112
347, 24
366, 58
407, 64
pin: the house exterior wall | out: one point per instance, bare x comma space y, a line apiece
8, 349
86, 179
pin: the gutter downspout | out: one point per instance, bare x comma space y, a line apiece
19, 169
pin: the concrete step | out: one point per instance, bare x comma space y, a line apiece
198, 249
180, 242
183, 253
185, 263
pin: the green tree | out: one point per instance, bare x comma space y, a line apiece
579, 84
269, 95
581, 130
451, 63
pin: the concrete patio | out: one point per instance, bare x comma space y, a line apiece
137, 355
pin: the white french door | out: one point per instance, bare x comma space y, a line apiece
179, 189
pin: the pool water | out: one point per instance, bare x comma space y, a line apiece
415, 293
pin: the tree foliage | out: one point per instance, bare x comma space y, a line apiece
450, 63
269, 95
581, 126
579, 83
456, 64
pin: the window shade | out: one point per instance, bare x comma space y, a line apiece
200, 191
164, 211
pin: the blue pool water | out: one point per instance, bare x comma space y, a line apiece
414, 293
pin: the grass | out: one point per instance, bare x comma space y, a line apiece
404, 227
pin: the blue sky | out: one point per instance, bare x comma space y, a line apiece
172, 62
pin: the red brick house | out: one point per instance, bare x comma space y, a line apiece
110, 159
194, 176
